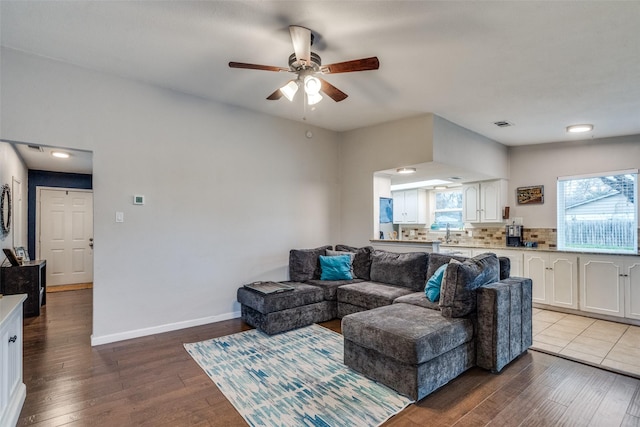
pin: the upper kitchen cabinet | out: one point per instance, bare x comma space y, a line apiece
482, 202
410, 207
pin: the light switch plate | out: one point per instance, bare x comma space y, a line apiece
119, 216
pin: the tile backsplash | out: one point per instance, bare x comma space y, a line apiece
484, 236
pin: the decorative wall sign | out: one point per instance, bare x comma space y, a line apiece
530, 195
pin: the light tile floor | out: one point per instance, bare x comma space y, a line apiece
597, 342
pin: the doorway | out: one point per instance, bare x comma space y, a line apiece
64, 231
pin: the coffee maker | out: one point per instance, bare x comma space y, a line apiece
514, 235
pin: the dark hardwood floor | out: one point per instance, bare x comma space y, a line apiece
153, 381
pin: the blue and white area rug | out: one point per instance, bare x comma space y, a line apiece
296, 378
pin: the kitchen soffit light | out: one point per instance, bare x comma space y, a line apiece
579, 128
60, 154
406, 170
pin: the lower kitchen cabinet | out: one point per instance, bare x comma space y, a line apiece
554, 277
12, 389
515, 258
610, 285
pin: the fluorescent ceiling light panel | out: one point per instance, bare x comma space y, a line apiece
60, 154
419, 184
406, 170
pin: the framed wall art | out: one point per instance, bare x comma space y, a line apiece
530, 195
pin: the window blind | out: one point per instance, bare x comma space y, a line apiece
598, 212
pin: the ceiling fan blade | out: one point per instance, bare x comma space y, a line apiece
256, 66
364, 64
331, 91
275, 95
301, 38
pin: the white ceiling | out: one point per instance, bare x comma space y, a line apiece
539, 65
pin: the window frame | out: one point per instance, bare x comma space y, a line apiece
561, 214
436, 210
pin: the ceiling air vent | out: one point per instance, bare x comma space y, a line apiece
503, 124
35, 148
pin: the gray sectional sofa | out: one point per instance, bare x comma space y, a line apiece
392, 332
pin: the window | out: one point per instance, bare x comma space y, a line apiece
448, 209
598, 213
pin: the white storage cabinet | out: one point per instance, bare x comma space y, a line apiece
409, 207
482, 202
554, 277
610, 284
12, 390
515, 258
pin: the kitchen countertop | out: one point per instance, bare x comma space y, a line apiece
526, 249
412, 242
441, 245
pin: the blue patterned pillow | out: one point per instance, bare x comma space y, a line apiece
335, 267
433, 284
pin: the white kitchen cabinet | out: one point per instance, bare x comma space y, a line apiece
515, 258
409, 207
554, 277
610, 285
12, 389
482, 202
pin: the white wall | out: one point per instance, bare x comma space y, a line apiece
228, 192
367, 150
457, 146
542, 164
12, 166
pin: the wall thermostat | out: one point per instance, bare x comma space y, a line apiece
138, 200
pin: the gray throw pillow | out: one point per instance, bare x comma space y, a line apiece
304, 264
352, 255
361, 262
436, 260
461, 280
401, 269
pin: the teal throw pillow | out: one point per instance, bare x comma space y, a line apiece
335, 267
433, 284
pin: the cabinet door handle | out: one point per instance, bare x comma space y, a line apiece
13, 339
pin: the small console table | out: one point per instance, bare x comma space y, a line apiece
29, 278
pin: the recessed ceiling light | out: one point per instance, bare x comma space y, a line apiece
60, 154
579, 128
406, 170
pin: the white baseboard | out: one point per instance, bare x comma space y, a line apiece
137, 333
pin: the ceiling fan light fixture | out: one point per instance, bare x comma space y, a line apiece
289, 90
313, 99
312, 85
579, 128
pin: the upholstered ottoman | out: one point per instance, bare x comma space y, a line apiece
413, 350
279, 312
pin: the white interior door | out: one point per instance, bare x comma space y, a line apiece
66, 235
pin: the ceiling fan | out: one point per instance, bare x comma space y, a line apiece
307, 65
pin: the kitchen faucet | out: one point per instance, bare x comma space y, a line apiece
447, 236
